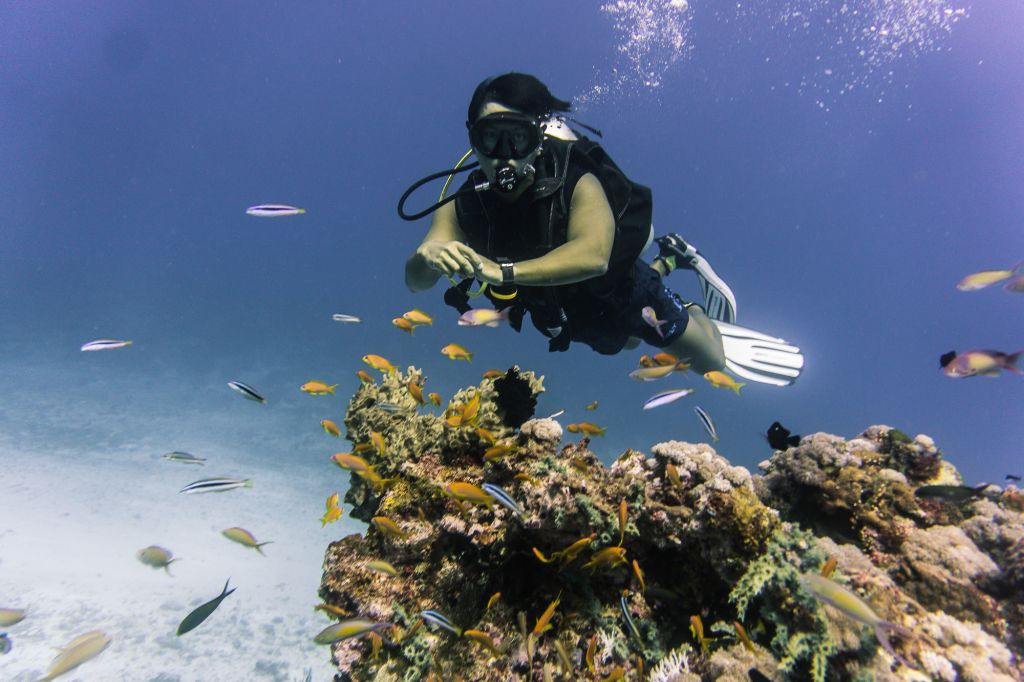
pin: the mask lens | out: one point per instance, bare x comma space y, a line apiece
504, 138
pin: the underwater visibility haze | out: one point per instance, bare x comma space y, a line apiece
843, 166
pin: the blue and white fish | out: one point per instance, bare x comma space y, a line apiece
630, 624
342, 317
246, 391
441, 621
502, 497
273, 210
666, 397
216, 485
705, 419
105, 344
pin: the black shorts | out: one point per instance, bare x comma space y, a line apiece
608, 332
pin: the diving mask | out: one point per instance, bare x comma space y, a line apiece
506, 135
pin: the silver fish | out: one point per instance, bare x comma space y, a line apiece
709, 425
502, 497
556, 414
246, 391
341, 317
184, 457
390, 408
105, 344
441, 621
216, 485
273, 210
666, 397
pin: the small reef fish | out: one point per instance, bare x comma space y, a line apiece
467, 492
342, 317
609, 557
330, 427
456, 352
404, 324
651, 318
639, 576
589, 656
216, 485
591, 407
332, 500
204, 611
526, 478
483, 639
980, 280
828, 567
496, 452
1013, 477
273, 210
587, 428
381, 566
350, 462
388, 527
317, 388
157, 557
492, 601
332, 609
493, 374
669, 359
5, 644
779, 437
707, 423
666, 397
75, 653
244, 538
741, 633
379, 363
628, 617
333, 511
544, 622
485, 435
390, 408
617, 673
623, 516
652, 373
9, 617
986, 363
346, 629
105, 344
503, 498
673, 475
697, 630
841, 598
483, 317
418, 317
416, 391
435, 398
723, 380
183, 457
440, 620
364, 376
377, 438
955, 494
246, 391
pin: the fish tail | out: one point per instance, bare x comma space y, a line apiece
882, 630
224, 592
269, 542
737, 388
1010, 362
330, 389
248, 483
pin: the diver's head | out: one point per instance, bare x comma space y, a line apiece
506, 129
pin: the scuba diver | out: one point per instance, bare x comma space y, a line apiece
549, 225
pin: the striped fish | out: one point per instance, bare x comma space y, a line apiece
273, 210
502, 497
216, 485
105, 344
709, 425
184, 457
246, 391
356, 627
441, 621
342, 317
630, 624
666, 397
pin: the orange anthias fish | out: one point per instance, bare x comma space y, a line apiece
980, 280
330, 427
416, 391
697, 630
467, 492
544, 622
364, 376
587, 428
591, 407
493, 374
723, 380
379, 363
456, 352
388, 527
330, 516
317, 388
350, 462
609, 557
404, 324
435, 398
363, 448
378, 442
418, 317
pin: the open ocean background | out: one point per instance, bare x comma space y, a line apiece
843, 166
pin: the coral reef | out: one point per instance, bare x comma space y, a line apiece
669, 566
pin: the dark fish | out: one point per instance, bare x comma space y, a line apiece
950, 493
1013, 477
779, 437
246, 391
756, 675
201, 613
5, 643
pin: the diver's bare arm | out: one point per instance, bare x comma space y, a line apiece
443, 251
588, 244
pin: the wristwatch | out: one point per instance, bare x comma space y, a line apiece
508, 273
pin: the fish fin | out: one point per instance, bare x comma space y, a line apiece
882, 630
1011, 362
224, 592
269, 542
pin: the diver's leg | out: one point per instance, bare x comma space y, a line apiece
701, 342
673, 253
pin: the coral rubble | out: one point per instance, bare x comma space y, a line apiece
669, 566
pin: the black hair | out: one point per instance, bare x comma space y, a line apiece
519, 91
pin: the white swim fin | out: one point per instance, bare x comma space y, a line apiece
758, 357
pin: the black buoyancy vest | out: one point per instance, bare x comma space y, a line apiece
538, 222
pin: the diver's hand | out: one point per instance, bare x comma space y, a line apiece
487, 271
449, 258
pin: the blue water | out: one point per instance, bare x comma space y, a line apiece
842, 195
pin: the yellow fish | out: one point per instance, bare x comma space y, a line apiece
493, 374
332, 501
435, 398
485, 435
456, 352
378, 442
404, 324
330, 516
363, 448
592, 406
723, 380
388, 527
471, 409
496, 452
416, 391
330, 427
418, 317
622, 521
697, 630
587, 428
663, 359
350, 462
639, 575
651, 372
379, 363
375, 480
364, 376
244, 538
12, 616
483, 639
609, 557
381, 566
76, 652
467, 492
493, 600
526, 478
317, 388
544, 622
980, 280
